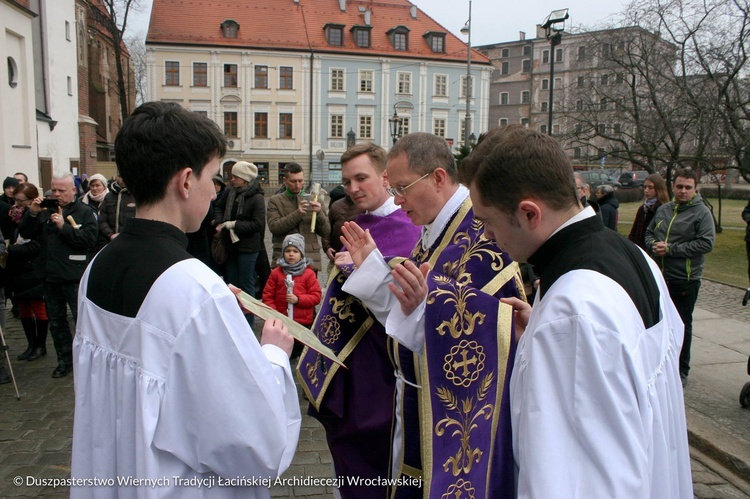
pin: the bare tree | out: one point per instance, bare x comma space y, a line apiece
137, 48
118, 12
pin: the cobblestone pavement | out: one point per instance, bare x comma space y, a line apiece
35, 431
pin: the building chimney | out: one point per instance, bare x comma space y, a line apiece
368, 13
540, 33
522, 35
342, 5
413, 11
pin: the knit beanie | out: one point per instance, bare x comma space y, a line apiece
297, 241
10, 182
244, 170
101, 178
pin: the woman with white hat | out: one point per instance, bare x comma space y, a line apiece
97, 191
240, 216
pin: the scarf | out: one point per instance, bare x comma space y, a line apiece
294, 269
232, 195
98, 198
648, 204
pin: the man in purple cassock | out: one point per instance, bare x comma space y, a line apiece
453, 340
355, 405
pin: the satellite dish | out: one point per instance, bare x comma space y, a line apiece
320, 154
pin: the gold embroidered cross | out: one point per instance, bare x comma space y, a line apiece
465, 363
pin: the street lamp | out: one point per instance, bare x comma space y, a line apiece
351, 138
466, 30
395, 123
554, 35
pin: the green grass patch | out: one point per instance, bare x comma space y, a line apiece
727, 262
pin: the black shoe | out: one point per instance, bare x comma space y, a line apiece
25, 354
4, 376
61, 371
746, 298
38, 353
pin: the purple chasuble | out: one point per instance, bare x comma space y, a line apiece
455, 403
355, 405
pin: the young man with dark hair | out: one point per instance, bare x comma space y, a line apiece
289, 212
171, 384
679, 237
596, 400
452, 340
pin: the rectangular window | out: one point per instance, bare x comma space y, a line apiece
362, 38
399, 41
465, 88
438, 127
230, 124
604, 103
525, 97
555, 129
405, 126
526, 66
365, 81
335, 36
441, 85
70, 85
261, 125
261, 76
618, 79
67, 30
581, 53
527, 50
365, 127
602, 128
506, 68
577, 152
337, 126
545, 106
172, 73
285, 125
581, 82
605, 80
504, 98
230, 75
543, 129
337, 80
559, 55
503, 122
545, 84
404, 83
286, 79
579, 128
579, 105
437, 44
606, 49
545, 56
200, 74
202, 113
617, 128
505, 53
525, 122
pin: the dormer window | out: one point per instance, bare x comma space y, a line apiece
361, 36
436, 41
334, 34
399, 37
229, 28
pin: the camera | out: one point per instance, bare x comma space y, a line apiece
50, 204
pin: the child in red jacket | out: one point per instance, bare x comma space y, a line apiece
293, 271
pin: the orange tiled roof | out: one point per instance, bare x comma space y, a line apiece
280, 24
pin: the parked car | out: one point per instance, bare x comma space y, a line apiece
633, 179
595, 178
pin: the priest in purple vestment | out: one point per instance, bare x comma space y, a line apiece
355, 405
453, 342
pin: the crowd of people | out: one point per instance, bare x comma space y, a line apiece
455, 381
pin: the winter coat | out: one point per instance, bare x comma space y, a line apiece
25, 269
112, 219
248, 210
285, 218
688, 230
306, 289
608, 206
642, 219
66, 251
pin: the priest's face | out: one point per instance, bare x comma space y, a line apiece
363, 184
419, 198
503, 228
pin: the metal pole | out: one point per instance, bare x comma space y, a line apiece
551, 82
467, 121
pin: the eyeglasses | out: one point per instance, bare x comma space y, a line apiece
401, 191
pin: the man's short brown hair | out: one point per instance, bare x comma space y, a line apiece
515, 163
685, 173
374, 152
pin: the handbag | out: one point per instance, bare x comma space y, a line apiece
219, 250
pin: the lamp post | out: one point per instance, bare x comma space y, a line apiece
466, 30
554, 35
395, 123
351, 138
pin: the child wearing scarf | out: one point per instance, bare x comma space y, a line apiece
305, 293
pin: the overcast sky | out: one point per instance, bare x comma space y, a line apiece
493, 21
